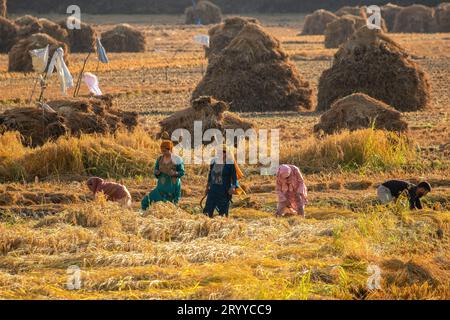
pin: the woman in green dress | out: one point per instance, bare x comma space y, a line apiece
169, 169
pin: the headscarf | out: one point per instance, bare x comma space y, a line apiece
166, 142
290, 179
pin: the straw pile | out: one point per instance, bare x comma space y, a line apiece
340, 30
415, 19
124, 38
354, 11
389, 12
442, 13
372, 63
316, 22
8, 34
204, 12
80, 40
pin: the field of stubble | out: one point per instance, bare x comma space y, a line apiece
51, 223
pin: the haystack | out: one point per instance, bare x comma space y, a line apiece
8, 34
54, 30
389, 12
442, 14
19, 56
253, 73
415, 19
372, 63
80, 40
36, 126
413, 272
222, 34
354, 11
214, 114
93, 115
340, 30
124, 38
316, 22
359, 111
204, 12
28, 25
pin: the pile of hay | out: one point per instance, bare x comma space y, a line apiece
253, 73
372, 63
36, 126
415, 19
359, 111
213, 114
413, 272
8, 34
19, 56
340, 30
80, 40
442, 14
354, 11
316, 22
28, 25
222, 34
54, 30
389, 12
204, 12
124, 38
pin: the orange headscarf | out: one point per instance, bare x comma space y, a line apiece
166, 143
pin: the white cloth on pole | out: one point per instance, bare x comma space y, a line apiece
65, 78
91, 81
202, 39
39, 59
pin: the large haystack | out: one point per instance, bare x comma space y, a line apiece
389, 12
222, 34
204, 12
8, 34
316, 22
340, 30
124, 38
359, 111
19, 55
35, 125
372, 63
442, 13
253, 73
415, 19
354, 11
213, 114
93, 115
28, 25
54, 30
80, 40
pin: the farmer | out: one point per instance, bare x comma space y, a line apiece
169, 169
392, 189
292, 191
223, 183
113, 191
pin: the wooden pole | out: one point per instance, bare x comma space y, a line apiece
78, 85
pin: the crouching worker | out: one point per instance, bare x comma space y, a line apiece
113, 191
291, 190
223, 183
392, 189
169, 169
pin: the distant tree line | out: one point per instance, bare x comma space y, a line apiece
178, 6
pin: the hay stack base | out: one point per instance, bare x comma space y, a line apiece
8, 34
80, 40
372, 63
19, 57
253, 73
316, 22
359, 111
415, 19
124, 38
214, 114
204, 13
73, 116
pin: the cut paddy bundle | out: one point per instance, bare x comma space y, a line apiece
253, 73
389, 12
204, 12
442, 13
214, 114
54, 30
19, 56
372, 63
222, 34
80, 40
415, 19
28, 25
355, 11
359, 111
124, 38
316, 22
8, 34
340, 30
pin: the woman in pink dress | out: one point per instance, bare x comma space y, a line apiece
291, 190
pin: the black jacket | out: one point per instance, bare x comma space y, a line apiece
397, 187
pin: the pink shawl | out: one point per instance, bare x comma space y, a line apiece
113, 191
290, 180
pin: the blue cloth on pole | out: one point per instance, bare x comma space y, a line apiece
101, 52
